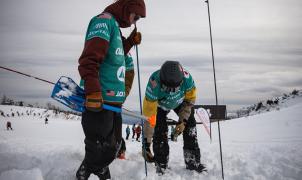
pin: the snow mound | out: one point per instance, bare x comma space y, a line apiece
33, 174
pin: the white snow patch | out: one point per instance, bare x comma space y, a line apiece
263, 147
33, 174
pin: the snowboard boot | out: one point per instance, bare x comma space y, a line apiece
83, 172
160, 168
104, 173
198, 167
192, 160
122, 156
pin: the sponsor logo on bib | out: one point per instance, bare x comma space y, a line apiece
186, 74
101, 25
119, 51
121, 73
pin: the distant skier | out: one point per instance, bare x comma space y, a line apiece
171, 88
133, 131
46, 120
127, 132
138, 131
9, 125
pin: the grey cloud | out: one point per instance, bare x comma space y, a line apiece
294, 82
257, 49
186, 61
266, 90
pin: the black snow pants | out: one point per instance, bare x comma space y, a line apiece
103, 136
160, 139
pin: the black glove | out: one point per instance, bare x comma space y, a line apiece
148, 156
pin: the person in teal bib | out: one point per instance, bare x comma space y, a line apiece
106, 70
171, 88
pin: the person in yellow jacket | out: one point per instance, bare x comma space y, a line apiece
171, 88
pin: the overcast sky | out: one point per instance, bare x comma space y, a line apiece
257, 46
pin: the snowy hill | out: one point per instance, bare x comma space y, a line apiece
260, 147
268, 105
36, 113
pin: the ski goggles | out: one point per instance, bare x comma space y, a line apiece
170, 89
137, 17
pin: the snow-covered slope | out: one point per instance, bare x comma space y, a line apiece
263, 146
273, 104
37, 113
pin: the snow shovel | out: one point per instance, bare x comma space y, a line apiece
67, 92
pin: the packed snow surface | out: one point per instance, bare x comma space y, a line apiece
263, 146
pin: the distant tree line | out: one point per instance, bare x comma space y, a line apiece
8, 101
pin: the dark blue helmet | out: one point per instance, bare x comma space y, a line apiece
171, 74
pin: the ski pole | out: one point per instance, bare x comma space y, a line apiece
140, 104
130, 113
26, 75
208, 4
124, 111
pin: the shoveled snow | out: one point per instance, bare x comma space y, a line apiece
263, 146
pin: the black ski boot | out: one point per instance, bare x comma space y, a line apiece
198, 167
160, 168
104, 173
192, 160
83, 172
